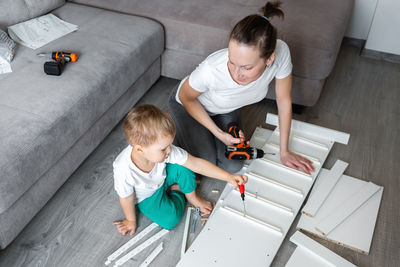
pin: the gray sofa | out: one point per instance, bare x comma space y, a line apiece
313, 29
49, 125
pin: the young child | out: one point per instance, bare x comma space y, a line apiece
156, 175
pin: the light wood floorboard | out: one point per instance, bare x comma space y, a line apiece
360, 97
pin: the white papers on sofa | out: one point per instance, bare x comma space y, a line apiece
40, 31
7, 49
5, 66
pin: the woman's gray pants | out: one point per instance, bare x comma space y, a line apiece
198, 140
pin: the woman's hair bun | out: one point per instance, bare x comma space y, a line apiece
272, 9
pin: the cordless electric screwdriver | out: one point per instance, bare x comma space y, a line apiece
60, 55
242, 150
60, 58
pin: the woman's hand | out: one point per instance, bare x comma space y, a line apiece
229, 140
295, 161
126, 226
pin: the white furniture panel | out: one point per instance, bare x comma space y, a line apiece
311, 253
314, 131
152, 255
232, 238
356, 231
317, 197
346, 208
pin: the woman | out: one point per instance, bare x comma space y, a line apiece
205, 102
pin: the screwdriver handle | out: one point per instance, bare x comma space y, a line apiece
241, 189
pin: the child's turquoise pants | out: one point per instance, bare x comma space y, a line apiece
167, 208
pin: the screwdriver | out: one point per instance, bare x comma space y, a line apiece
241, 190
58, 55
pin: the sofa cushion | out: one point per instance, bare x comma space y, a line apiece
43, 116
313, 29
15, 11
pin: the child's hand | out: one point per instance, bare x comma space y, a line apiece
238, 179
126, 226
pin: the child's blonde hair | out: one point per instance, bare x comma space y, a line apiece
144, 124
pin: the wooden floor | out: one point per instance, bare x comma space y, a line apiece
361, 97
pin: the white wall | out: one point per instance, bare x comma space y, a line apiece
361, 19
384, 35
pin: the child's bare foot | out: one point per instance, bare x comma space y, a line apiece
204, 205
175, 187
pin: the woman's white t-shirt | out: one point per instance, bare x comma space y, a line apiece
128, 178
221, 94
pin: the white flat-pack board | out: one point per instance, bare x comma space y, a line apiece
152, 255
130, 243
141, 247
186, 230
317, 197
346, 208
275, 195
357, 229
311, 253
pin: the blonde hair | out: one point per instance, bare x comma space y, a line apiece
144, 124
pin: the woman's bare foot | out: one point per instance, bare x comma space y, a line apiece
204, 205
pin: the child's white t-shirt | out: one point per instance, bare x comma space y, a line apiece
128, 178
221, 94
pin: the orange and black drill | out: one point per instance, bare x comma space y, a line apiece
60, 55
243, 150
60, 58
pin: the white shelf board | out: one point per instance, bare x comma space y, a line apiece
318, 197
311, 253
259, 210
152, 255
346, 208
280, 175
312, 129
302, 257
276, 147
278, 184
299, 146
259, 136
186, 230
271, 192
223, 242
356, 231
276, 205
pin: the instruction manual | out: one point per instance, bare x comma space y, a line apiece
40, 31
